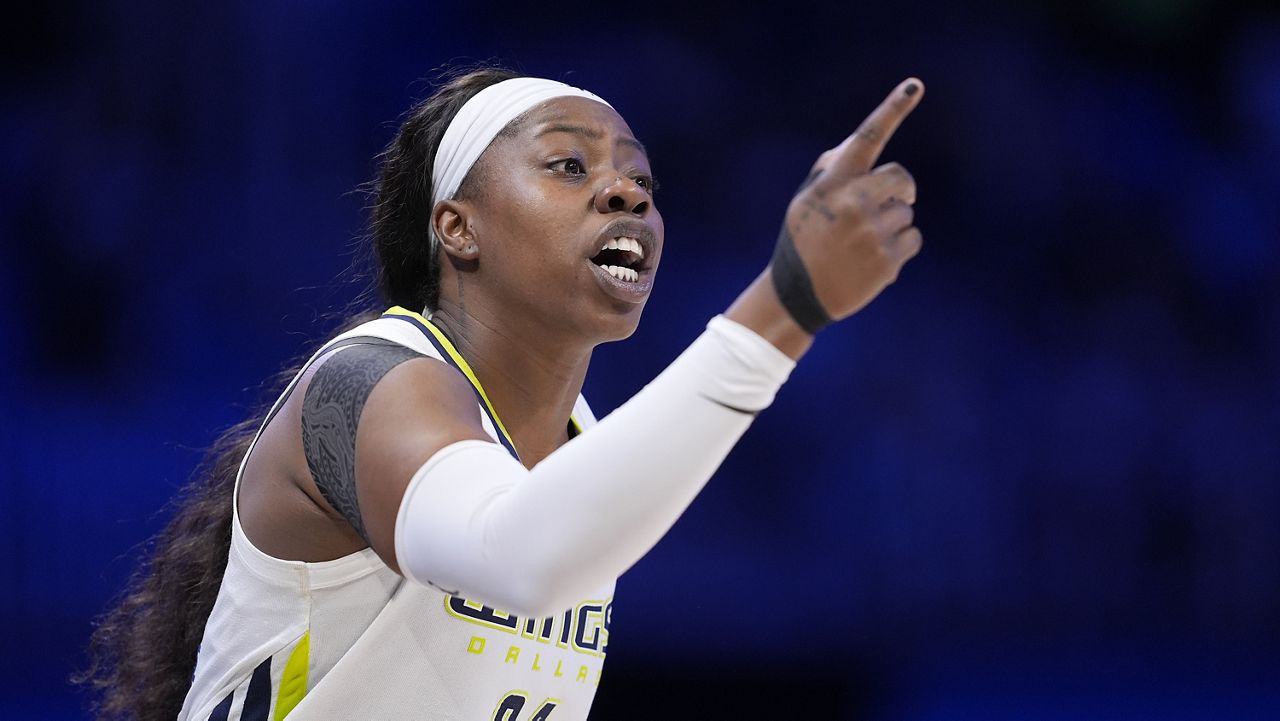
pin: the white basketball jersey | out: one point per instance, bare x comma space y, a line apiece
351, 639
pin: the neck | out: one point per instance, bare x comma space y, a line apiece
532, 378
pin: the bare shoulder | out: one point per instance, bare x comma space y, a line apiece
419, 407
390, 421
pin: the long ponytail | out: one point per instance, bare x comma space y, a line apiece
143, 650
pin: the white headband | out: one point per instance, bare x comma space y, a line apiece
479, 121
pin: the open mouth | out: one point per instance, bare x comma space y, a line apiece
621, 257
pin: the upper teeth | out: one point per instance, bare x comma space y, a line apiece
625, 243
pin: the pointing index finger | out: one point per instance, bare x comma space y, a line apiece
860, 151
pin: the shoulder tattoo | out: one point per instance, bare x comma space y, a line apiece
330, 413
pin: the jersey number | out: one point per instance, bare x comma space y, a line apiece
512, 704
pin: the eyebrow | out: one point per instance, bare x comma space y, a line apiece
590, 133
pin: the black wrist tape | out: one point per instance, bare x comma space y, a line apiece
795, 289
791, 279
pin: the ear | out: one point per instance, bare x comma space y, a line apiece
451, 221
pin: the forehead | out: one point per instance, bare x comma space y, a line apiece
576, 116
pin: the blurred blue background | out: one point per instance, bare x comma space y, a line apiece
1039, 478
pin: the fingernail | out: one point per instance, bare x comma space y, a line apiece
911, 89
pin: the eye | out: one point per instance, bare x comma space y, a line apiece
647, 182
570, 166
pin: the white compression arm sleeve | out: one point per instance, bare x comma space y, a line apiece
534, 542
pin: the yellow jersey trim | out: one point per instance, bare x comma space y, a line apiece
443, 341
461, 362
293, 681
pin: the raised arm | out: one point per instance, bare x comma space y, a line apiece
442, 504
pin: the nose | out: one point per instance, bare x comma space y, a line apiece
622, 195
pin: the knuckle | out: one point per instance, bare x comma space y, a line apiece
907, 178
912, 242
901, 177
897, 175
871, 133
863, 207
855, 204
895, 218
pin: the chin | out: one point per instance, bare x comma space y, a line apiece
617, 325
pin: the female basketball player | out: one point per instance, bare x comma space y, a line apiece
427, 524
